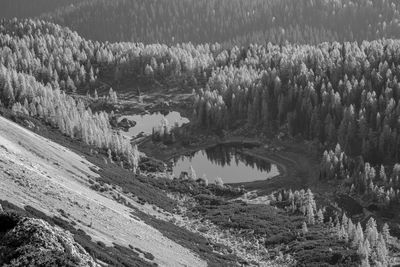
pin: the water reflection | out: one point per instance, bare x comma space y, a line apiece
146, 122
228, 162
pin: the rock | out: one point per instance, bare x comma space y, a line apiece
184, 176
125, 124
33, 242
114, 122
29, 124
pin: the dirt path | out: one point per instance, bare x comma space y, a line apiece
37, 172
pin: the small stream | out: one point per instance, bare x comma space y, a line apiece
227, 161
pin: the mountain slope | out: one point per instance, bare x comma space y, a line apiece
40, 173
29, 8
230, 21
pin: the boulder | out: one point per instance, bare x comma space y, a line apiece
125, 124
34, 242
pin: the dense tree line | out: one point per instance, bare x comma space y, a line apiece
231, 21
336, 93
377, 183
371, 244
54, 53
39, 62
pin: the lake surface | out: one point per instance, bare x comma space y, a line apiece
146, 122
228, 162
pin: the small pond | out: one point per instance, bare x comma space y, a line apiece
146, 122
225, 161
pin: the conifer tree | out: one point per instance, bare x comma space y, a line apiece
310, 214
358, 236
304, 228
386, 232
382, 251
363, 250
371, 232
8, 91
320, 216
219, 182
192, 173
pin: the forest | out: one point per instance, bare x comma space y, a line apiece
25, 8
238, 22
321, 71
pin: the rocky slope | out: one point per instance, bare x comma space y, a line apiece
33, 242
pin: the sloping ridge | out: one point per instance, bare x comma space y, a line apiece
49, 177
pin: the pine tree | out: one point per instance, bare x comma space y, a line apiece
310, 214
8, 91
71, 85
351, 229
148, 71
338, 230
112, 96
344, 234
304, 228
382, 174
352, 189
204, 180
345, 221
386, 232
309, 199
358, 236
192, 174
290, 196
219, 182
109, 154
92, 78
320, 216
381, 251
363, 250
371, 232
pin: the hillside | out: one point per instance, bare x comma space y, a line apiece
37, 172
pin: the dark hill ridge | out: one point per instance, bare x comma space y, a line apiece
231, 21
225, 21
31, 8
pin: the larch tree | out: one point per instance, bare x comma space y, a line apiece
304, 228
192, 173
371, 232
386, 232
